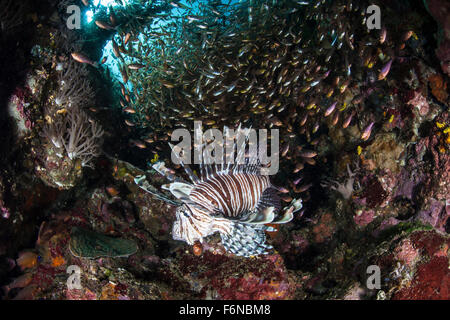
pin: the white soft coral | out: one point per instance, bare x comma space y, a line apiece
345, 188
73, 86
74, 132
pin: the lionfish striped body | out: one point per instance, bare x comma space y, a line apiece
231, 193
234, 200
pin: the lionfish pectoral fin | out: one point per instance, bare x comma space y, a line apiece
296, 204
288, 212
246, 240
264, 216
285, 217
180, 190
160, 167
139, 179
249, 216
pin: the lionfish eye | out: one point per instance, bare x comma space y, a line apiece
186, 214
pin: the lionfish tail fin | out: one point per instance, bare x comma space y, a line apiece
246, 240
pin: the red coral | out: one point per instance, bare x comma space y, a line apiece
262, 277
430, 241
251, 287
432, 282
374, 193
80, 294
45, 276
406, 253
432, 278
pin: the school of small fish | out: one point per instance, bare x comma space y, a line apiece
298, 66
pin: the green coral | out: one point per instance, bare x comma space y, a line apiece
88, 244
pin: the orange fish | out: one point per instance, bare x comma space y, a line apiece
385, 70
138, 144
79, 57
135, 66
104, 25
112, 191
27, 260
127, 38
129, 110
366, 133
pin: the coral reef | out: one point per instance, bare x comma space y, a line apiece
71, 139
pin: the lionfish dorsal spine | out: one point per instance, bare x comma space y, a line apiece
192, 176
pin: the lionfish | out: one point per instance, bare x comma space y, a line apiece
234, 199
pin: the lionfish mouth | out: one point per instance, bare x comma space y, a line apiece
236, 200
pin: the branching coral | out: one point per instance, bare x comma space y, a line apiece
75, 134
53, 131
82, 140
71, 133
73, 86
